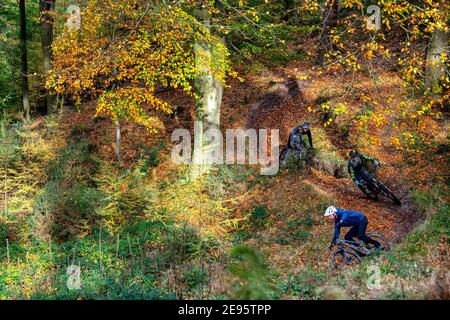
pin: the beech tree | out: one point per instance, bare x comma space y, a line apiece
24, 61
46, 8
329, 23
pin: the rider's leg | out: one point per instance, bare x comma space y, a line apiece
365, 187
367, 179
362, 234
353, 232
362, 176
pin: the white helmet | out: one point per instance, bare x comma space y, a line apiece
330, 210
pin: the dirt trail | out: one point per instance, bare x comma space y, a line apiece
385, 217
395, 222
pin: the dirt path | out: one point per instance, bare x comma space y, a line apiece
385, 217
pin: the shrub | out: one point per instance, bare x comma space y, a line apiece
303, 285
259, 215
69, 200
67, 210
194, 277
255, 279
151, 159
229, 180
127, 196
181, 243
296, 164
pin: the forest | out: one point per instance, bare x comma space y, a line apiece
193, 149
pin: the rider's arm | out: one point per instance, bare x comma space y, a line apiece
375, 161
310, 139
300, 141
289, 140
351, 171
337, 232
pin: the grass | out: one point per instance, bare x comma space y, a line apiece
303, 285
280, 56
324, 148
255, 280
141, 238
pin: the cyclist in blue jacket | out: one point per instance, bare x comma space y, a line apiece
356, 220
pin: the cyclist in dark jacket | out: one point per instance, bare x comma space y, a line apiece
359, 165
295, 141
356, 220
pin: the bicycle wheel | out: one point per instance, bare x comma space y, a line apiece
370, 194
342, 258
387, 192
381, 239
283, 155
309, 156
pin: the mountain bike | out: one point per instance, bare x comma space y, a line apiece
350, 253
373, 188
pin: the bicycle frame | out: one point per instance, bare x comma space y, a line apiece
373, 184
353, 251
377, 188
304, 154
354, 246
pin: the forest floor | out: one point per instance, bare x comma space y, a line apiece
281, 216
292, 198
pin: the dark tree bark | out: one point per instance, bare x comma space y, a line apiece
24, 61
46, 22
291, 11
329, 21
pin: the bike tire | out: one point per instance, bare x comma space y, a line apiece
310, 157
283, 155
381, 239
371, 195
295, 157
338, 259
386, 191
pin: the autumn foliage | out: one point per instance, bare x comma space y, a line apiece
124, 52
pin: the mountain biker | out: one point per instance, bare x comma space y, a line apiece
295, 141
356, 220
359, 165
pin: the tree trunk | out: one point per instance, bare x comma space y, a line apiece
207, 108
291, 11
434, 68
329, 21
118, 137
24, 61
46, 21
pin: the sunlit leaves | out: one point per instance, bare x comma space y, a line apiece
403, 40
125, 51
